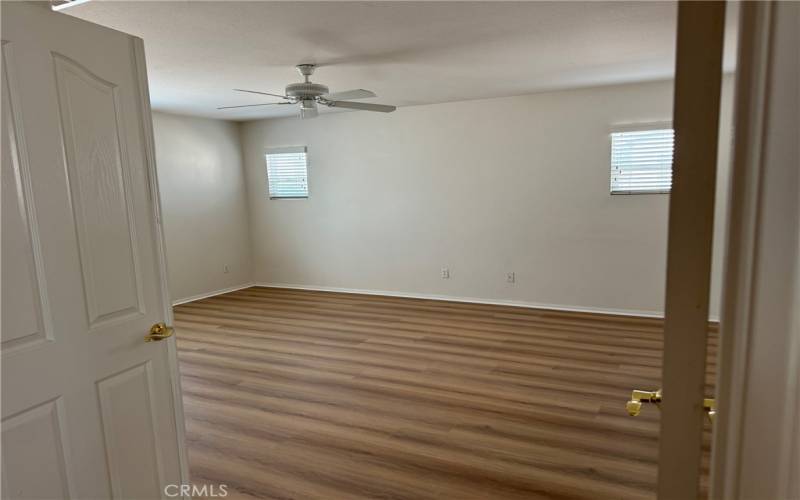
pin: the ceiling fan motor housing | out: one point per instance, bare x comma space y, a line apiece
305, 90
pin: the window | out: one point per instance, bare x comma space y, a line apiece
287, 172
641, 161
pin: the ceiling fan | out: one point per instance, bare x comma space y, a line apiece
309, 94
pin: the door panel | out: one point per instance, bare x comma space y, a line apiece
80, 244
23, 276
126, 404
41, 471
97, 164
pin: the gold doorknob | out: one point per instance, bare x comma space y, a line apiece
634, 406
159, 331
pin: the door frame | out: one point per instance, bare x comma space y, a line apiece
155, 201
768, 426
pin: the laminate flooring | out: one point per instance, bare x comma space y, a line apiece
293, 394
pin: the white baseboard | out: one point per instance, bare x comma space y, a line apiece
451, 298
211, 294
473, 300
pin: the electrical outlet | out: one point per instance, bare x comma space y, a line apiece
226, 269
510, 277
445, 273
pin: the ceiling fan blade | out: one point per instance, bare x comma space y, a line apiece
306, 113
348, 94
262, 93
365, 106
251, 105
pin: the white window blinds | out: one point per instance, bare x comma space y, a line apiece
287, 173
641, 161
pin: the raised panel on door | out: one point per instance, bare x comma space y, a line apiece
34, 459
23, 284
129, 429
97, 163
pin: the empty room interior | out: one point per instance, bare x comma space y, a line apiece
440, 301
411, 250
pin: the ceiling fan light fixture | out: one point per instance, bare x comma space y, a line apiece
308, 109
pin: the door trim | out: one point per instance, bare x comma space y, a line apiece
757, 32
155, 202
752, 70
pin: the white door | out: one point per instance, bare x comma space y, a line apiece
698, 80
89, 409
685, 406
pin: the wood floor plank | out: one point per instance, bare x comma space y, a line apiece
318, 395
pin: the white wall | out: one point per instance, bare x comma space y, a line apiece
204, 204
483, 187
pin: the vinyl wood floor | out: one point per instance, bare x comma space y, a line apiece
317, 395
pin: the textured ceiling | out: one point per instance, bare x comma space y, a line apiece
407, 52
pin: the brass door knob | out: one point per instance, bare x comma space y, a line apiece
634, 405
159, 331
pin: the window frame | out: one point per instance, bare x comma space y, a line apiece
283, 150
636, 127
